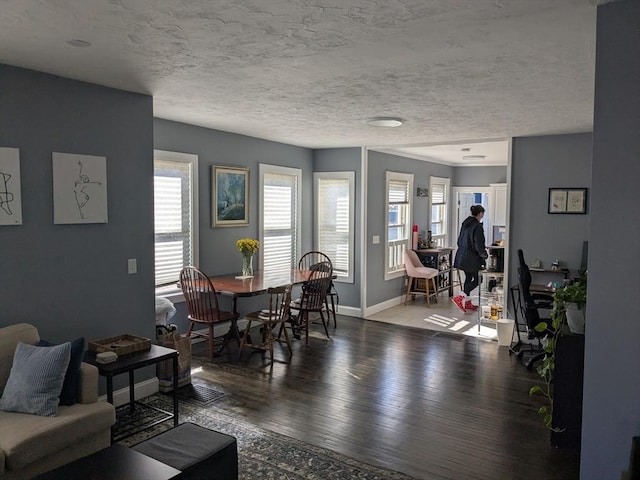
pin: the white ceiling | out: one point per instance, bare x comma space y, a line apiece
310, 72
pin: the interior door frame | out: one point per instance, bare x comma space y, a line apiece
457, 220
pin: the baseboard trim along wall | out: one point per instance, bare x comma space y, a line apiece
141, 390
373, 309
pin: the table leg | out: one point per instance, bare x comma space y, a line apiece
132, 392
175, 390
110, 389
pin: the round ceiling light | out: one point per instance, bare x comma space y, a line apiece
384, 122
76, 42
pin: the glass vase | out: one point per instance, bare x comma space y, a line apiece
247, 265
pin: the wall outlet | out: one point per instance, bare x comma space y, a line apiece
132, 266
376, 239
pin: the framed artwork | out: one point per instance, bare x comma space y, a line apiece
10, 190
567, 200
79, 188
229, 196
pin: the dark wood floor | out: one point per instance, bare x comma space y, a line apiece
426, 404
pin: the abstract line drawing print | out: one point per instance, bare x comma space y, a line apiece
6, 197
10, 197
79, 188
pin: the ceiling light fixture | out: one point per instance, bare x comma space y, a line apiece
384, 122
76, 42
474, 157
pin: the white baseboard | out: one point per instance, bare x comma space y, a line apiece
349, 311
141, 390
373, 309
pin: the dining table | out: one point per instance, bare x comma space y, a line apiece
236, 287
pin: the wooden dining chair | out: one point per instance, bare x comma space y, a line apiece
306, 262
202, 306
417, 271
270, 318
314, 296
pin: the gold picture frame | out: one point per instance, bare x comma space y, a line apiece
229, 196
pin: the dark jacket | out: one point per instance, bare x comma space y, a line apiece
471, 249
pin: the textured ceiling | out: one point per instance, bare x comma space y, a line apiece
309, 73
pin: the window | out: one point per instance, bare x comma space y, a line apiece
175, 180
280, 201
439, 210
334, 230
398, 220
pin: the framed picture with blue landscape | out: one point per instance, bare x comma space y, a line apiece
230, 196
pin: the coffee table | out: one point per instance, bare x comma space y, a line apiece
113, 463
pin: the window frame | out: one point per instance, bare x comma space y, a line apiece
350, 176
398, 270
265, 168
172, 291
447, 214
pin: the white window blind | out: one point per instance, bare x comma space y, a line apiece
173, 219
279, 218
334, 199
399, 186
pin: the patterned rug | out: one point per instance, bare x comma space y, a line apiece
262, 454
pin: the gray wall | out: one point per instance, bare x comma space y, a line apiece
379, 290
218, 253
611, 415
539, 163
478, 176
71, 280
340, 160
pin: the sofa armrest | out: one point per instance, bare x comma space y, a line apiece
88, 390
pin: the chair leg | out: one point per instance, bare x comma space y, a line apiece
287, 339
243, 340
210, 342
435, 289
306, 328
324, 324
409, 284
333, 310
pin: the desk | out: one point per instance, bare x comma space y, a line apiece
129, 363
559, 271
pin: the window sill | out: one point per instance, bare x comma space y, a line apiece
170, 293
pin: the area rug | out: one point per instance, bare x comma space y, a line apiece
263, 454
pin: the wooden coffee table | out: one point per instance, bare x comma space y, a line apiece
113, 463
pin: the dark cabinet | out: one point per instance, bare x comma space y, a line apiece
442, 260
567, 391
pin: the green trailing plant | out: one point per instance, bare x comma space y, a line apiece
576, 293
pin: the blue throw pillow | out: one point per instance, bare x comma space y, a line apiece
69, 393
35, 380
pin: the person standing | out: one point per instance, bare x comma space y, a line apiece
470, 257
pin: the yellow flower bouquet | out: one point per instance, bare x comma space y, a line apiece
247, 247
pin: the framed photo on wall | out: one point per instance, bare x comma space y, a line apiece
229, 196
567, 200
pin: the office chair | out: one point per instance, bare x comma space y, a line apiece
530, 306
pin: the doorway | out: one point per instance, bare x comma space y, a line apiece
464, 198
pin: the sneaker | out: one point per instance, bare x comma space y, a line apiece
459, 301
469, 305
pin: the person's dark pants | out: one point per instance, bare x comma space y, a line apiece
471, 281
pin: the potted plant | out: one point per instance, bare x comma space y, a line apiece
572, 300
569, 297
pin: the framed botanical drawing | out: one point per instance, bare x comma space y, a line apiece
567, 200
229, 196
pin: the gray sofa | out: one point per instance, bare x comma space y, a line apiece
33, 444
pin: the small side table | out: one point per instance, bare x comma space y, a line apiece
129, 363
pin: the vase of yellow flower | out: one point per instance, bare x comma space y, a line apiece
247, 247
